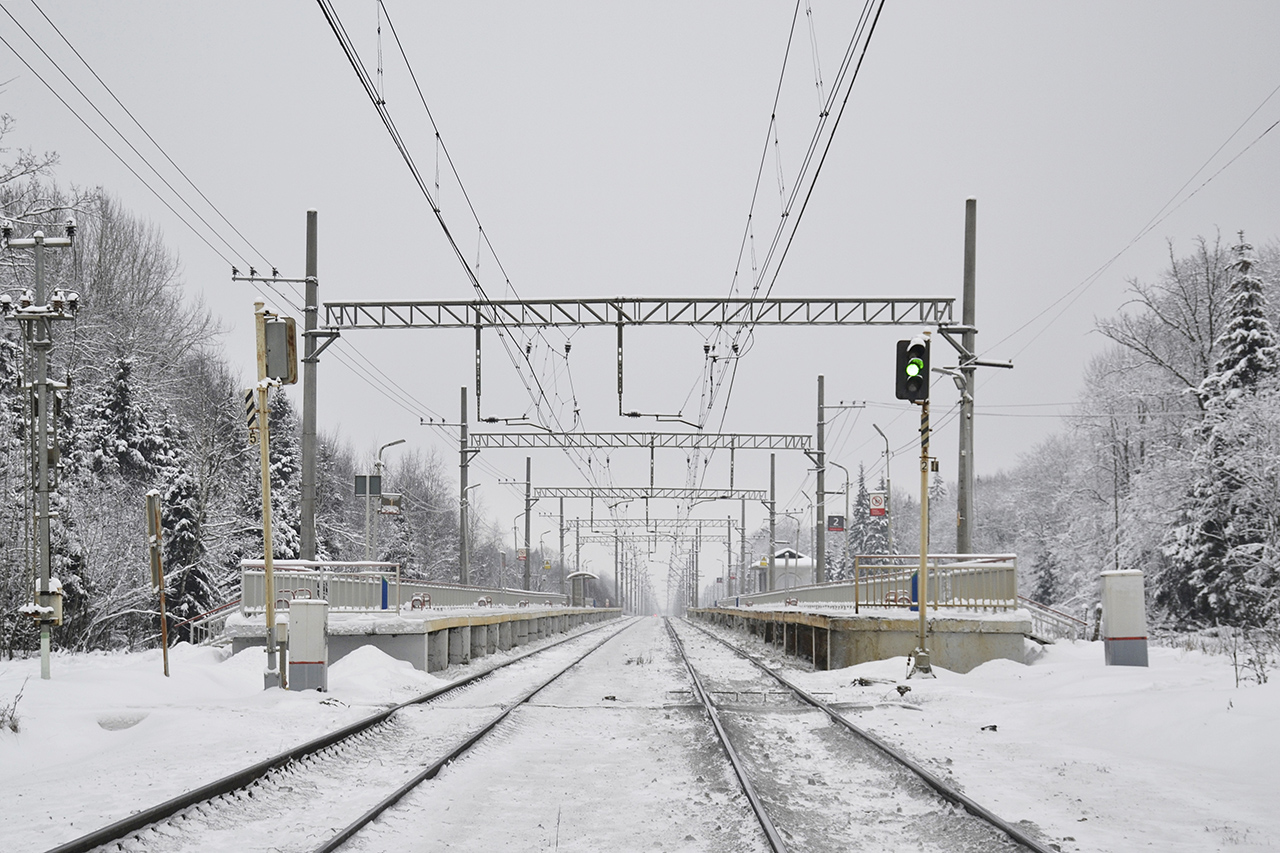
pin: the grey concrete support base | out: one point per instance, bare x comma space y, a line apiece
459, 645
1132, 652
438, 650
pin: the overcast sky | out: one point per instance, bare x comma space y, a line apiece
613, 149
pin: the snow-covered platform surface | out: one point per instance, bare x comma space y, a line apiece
1173, 758
430, 639
834, 636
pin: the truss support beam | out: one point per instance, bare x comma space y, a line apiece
641, 311
645, 493
609, 539
645, 440
652, 524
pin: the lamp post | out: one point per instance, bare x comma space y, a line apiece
847, 556
888, 488
370, 530
515, 541
464, 531
542, 555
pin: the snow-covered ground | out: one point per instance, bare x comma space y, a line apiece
1172, 757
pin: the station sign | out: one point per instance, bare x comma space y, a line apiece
835, 523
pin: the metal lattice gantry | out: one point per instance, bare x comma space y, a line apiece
652, 525
640, 311
639, 440
615, 493
631, 539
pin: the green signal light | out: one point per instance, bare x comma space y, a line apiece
914, 367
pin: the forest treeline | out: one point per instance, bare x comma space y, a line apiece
151, 403
1170, 462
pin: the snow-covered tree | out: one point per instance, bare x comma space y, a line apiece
190, 587
1221, 544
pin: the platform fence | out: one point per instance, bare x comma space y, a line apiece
956, 581
371, 586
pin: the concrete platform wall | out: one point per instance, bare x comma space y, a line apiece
454, 640
956, 642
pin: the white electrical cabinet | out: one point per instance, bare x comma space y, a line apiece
308, 644
1124, 618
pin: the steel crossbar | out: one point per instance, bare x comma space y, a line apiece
641, 311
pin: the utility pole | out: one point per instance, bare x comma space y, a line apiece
773, 518
310, 323
528, 514
966, 479
920, 659
562, 549
273, 676
35, 314
464, 551
820, 457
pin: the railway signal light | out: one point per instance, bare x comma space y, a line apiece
913, 370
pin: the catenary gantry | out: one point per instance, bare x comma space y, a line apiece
639, 311
613, 440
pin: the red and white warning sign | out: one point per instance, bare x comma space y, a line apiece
877, 503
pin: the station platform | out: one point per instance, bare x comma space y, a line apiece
835, 637
431, 640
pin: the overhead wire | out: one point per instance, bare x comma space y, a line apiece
148, 135
112, 149
399, 396
1166, 210
402, 146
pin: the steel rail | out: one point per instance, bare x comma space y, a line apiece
766, 823
942, 788
434, 769
243, 778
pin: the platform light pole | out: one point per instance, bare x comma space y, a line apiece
847, 522
371, 530
888, 488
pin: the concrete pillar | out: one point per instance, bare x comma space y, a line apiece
479, 640
491, 639
459, 645
504, 635
521, 632
437, 651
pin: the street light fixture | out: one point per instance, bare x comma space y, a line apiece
888, 487
371, 531
847, 520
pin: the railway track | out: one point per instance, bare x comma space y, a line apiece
818, 782
532, 757
292, 800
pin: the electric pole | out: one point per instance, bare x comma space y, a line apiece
965, 486
310, 322
35, 315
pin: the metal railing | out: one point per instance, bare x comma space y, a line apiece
369, 586
1051, 624
207, 627
957, 581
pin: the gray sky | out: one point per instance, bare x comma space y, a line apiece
612, 150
